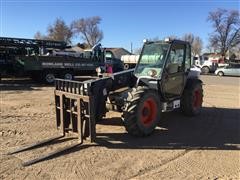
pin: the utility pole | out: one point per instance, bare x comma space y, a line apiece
131, 48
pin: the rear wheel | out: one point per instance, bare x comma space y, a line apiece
205, 70
192, 99
142, 112
220, 73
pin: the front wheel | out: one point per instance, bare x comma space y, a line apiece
48, 77
192, 98
68, 76
142, 112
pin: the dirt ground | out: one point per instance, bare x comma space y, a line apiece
203, 147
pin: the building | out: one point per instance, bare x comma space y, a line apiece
116, 52
234, 52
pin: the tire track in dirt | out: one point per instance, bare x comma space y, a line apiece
149, 169
86, 170
185, 164
210, 126
140, 160
9, 164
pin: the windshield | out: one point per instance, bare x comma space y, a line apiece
152, 59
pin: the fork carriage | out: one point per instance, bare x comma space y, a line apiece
79, 105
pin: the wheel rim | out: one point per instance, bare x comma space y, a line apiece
197, 100
126, 66
50, 78
68, 76
220, 73
148, 112
205, 69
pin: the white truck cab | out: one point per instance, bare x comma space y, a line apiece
205, 64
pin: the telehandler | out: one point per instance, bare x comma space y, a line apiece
161, 81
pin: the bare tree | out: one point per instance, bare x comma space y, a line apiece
88, 29
211, 48
83, 45
154, 39
137, 51
226, 24
197, 46
234, 53
189, 37
59, 31
172, 37
39, 36
195, 42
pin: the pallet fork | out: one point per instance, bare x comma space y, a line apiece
79, 105
74, 113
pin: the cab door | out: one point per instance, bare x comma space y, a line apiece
174, 74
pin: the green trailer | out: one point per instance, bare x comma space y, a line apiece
47, 68
36, 58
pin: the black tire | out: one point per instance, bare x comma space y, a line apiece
68, 75
142, 112
192, 98
205, 70
220, 73
48, 77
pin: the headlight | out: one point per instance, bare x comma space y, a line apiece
152, 73
145, 40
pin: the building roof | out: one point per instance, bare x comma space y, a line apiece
214, 55
118, 52
76, 48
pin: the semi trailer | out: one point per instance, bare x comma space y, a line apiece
45, 60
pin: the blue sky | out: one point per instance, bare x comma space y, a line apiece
123, 21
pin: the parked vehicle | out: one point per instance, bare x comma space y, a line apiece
230, 70
206, 65
12, 47
46, 69
46, 60
130, 61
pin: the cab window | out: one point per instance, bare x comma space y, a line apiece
109, 55
175, 61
